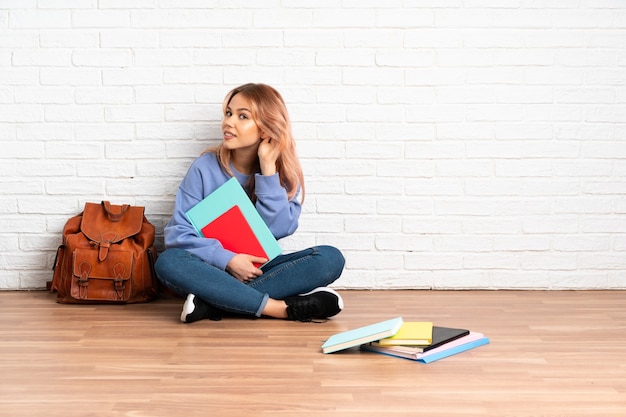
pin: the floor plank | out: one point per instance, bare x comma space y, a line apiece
552, 353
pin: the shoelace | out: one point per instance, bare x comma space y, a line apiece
303, 310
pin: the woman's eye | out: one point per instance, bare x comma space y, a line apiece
228, 113
243, 116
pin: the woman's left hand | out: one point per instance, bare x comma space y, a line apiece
269, 151
241, 266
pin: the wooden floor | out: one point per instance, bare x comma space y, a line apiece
551, 354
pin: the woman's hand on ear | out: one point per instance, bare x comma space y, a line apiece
269, 151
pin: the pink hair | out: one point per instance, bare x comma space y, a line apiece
270, 114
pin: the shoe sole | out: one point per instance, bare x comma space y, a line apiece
330, 290
188, 307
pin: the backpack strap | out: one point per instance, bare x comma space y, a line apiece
105, 244
114, 213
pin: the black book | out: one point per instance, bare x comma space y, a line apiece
441, 336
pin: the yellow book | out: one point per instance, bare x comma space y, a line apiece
412, 333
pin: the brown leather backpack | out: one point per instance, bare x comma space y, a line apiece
107, 256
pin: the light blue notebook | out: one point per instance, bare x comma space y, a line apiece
366, 334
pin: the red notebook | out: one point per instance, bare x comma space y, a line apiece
234, 233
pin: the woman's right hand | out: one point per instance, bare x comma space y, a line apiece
268, 152
243, 267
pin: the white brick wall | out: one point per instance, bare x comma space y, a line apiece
457, 144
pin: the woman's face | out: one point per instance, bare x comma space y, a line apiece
238, 127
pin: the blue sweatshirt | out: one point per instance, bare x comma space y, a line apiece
205, 176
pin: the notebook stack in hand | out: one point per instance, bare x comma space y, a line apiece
228, 215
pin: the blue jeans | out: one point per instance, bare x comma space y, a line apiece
284, 276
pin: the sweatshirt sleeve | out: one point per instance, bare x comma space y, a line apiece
279, 213
180, 233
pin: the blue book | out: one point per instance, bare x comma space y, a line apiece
453, 351
361, 335
462, 344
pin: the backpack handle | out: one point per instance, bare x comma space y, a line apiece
115, 213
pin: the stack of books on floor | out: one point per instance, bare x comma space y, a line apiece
419, 341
